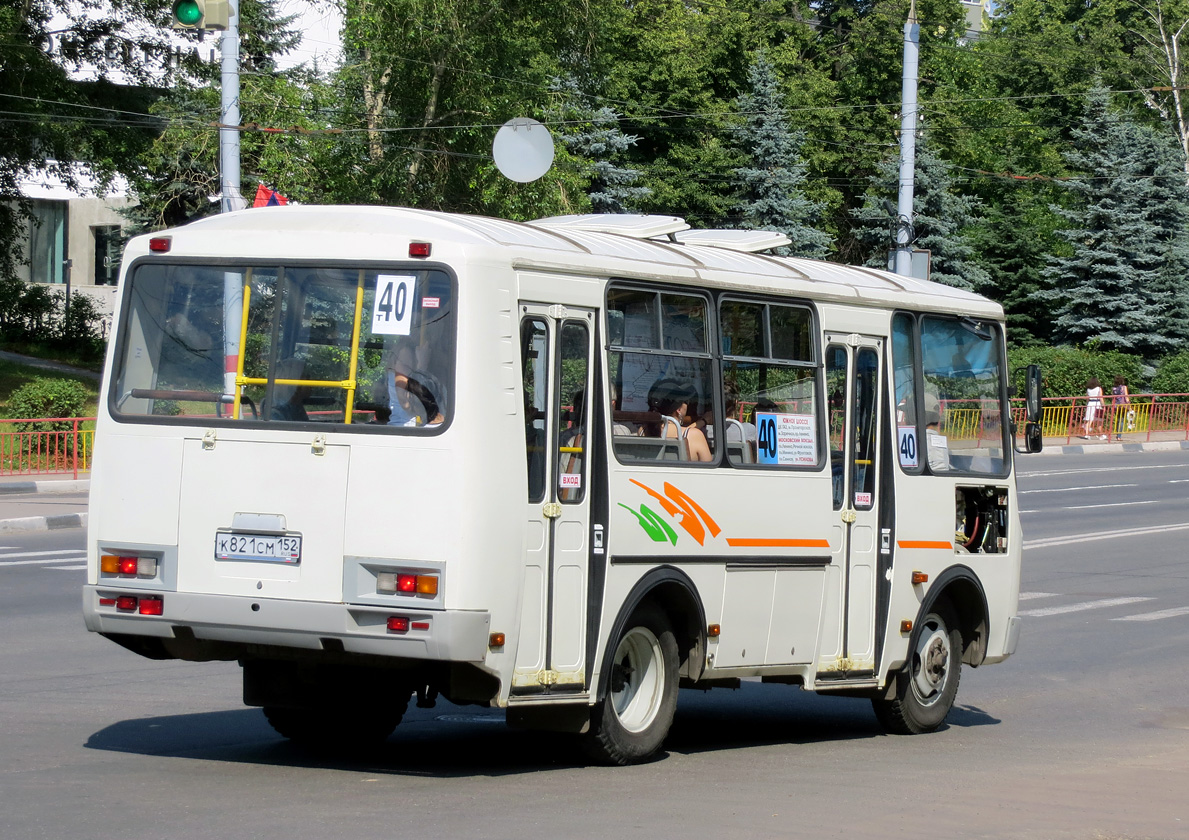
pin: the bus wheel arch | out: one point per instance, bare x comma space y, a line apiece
639, 677
960, 588
676, 595
950, 629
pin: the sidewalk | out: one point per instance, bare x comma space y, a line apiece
42, 503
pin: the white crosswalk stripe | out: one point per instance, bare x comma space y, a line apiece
43, 558
1031, 596
1155, 616
1084, 605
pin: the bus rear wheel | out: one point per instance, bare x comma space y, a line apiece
928, 683
338, 730
631, 722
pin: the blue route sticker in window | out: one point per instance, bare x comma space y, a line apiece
907, 447
786, 439
393, 310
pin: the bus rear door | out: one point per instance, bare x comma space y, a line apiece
556, 352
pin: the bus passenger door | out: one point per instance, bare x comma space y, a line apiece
853, 366
556, 353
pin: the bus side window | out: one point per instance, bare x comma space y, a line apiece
534, 353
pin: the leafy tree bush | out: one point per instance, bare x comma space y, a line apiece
1065, 370
43, 397
1172, 374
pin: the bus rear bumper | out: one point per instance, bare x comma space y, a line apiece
437, 635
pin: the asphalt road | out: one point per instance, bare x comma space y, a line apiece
1083, 734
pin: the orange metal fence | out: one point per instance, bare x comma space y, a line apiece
43, 446
1146, 417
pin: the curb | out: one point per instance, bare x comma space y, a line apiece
28, 524
70, 485
1107, 448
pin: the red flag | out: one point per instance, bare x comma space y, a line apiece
268, 198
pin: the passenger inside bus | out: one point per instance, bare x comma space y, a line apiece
936, 445
671, 399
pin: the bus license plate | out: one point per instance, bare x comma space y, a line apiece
267, 548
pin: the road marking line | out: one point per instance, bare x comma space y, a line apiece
57, 553
47, 561
1084, 605
1155, 616
68, 568
1103, 535
1028, 596
1072, 489
1026, 474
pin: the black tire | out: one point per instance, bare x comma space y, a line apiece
630, 723
928, 683
337, 729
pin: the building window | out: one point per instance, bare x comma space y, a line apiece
47, 242
107, 254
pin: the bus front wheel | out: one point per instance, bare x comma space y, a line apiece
632, 720
928, 683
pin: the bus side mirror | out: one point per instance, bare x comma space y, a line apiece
1032, 394
1033, 438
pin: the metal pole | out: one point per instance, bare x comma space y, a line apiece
908, 132
232, 200
229, 115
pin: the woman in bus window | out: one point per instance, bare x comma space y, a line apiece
670, 398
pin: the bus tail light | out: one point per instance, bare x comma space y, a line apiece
398, 624
407, 584
128, 566
126, 603
152, 606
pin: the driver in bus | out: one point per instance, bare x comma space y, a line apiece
936, 445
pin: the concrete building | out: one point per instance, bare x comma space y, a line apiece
74, 239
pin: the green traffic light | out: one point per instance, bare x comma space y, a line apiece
187, 12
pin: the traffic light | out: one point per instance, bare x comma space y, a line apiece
201, 14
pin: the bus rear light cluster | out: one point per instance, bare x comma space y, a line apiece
128, 566
407, 584
135, 604
403, 624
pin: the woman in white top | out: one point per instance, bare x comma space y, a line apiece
1093, 409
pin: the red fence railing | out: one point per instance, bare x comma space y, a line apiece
43, 446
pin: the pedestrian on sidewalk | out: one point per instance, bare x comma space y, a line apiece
1120, 405
1093, 409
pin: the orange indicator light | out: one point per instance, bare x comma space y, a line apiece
919, 577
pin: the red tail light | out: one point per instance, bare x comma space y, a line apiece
398, 624
152, 606
127, 603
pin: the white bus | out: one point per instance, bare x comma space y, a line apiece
561, 468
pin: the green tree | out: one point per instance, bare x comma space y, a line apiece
592, 134
49, 120
772, 183
1120, 287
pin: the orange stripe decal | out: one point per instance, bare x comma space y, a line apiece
925, 544
739, 542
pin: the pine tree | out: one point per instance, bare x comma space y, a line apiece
772, 184
595, 136
1120, 287
941, 215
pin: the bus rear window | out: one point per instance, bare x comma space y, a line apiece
312, 345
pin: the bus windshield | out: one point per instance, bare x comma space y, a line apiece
314, 344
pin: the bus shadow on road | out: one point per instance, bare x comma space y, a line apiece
451, 741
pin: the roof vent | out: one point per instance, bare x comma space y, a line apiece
634, 225
750, 241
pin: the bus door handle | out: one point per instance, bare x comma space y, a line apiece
551, 510
849, 516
